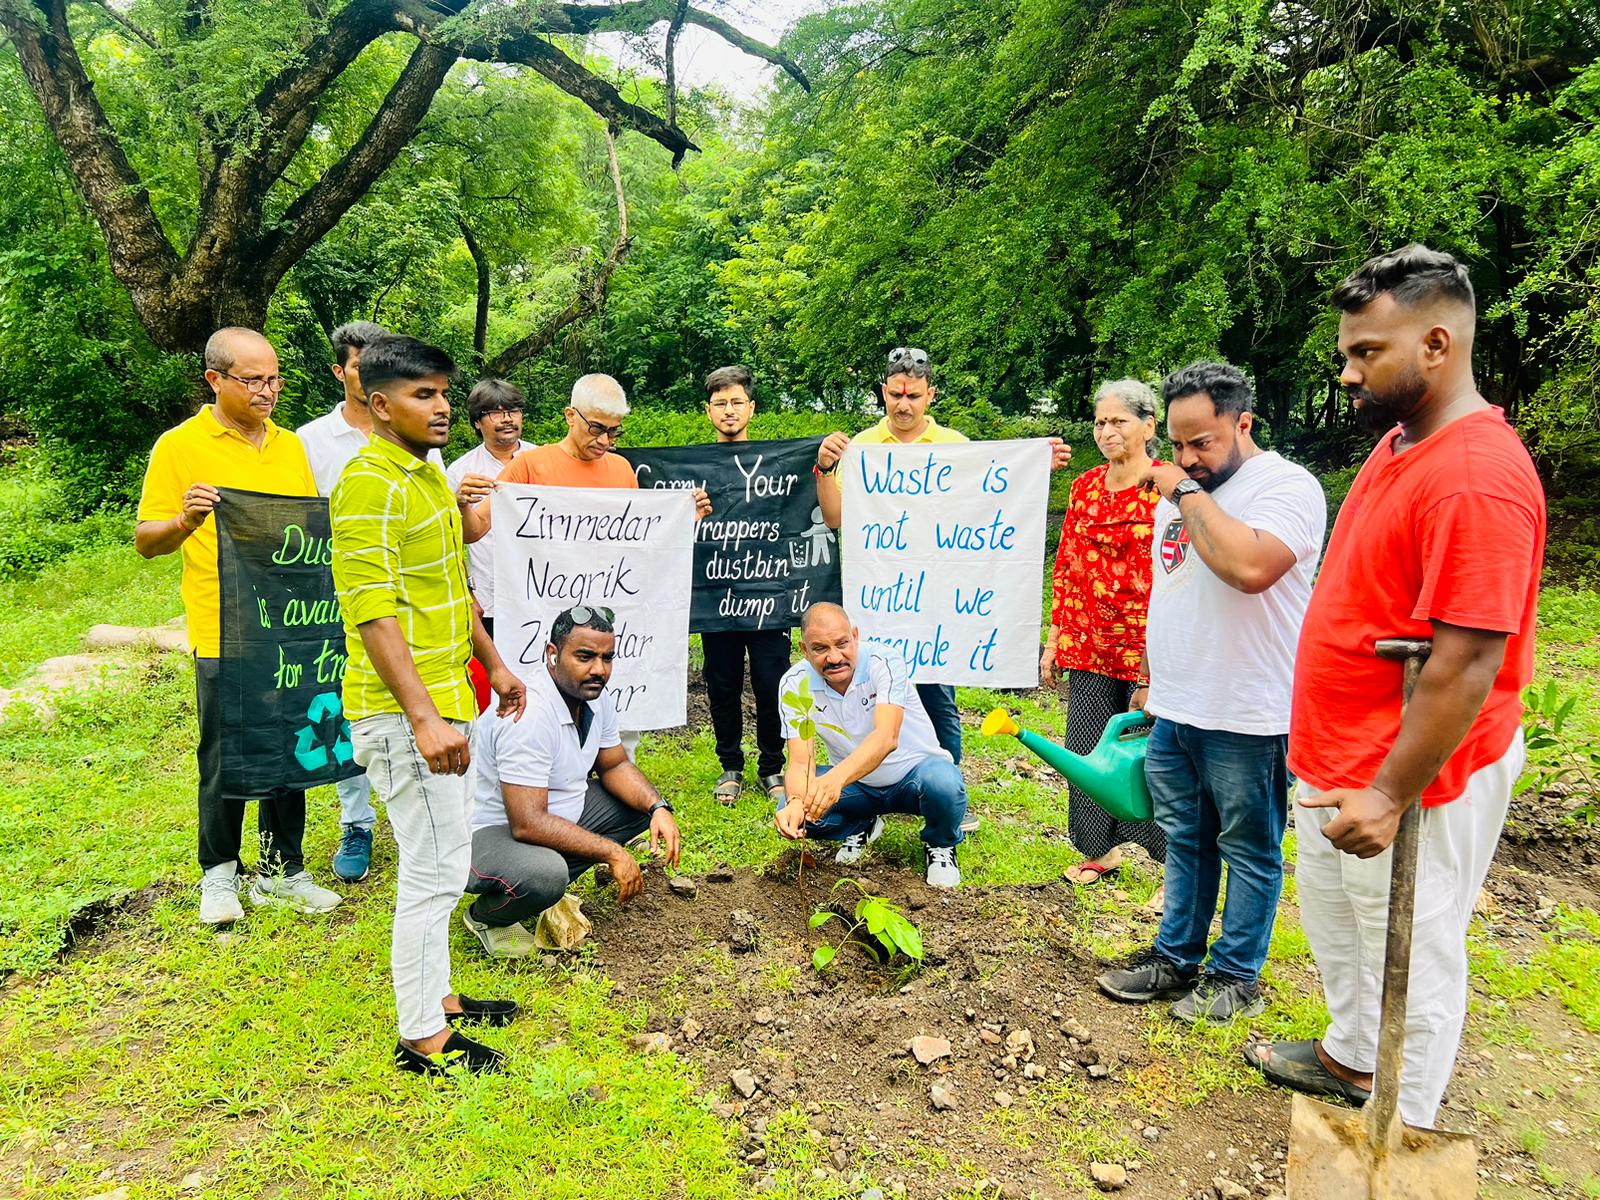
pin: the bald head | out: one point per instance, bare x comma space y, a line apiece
226, 345
830, 644
824, 612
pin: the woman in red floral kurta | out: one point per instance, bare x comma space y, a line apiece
1097, 618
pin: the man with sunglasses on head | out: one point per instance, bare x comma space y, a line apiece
906, 393
556, 793
231, 441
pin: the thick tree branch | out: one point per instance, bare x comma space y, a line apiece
318, 210
672, 60
141, 256
591, 295
130, 26
592, 18
480, 260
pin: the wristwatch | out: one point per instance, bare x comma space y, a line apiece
658, 806
1186, 487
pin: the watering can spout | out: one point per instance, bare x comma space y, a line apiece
1112, 774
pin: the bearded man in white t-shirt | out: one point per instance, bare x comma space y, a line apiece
1237, 536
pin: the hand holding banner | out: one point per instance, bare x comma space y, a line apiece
944, 555
629, 551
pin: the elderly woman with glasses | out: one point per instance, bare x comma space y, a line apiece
1101, 591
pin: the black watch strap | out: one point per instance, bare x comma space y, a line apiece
658, 806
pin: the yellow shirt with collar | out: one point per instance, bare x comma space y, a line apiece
203, 450
880, 433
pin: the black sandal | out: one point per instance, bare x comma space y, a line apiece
728, 788
1297, 1066
483, 1012
458, 1052
773, 784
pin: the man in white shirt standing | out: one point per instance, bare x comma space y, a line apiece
538, 820
1237, 536
884, 753
495, 409
331, 441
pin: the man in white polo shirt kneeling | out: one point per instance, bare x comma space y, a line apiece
538, 820
884, 755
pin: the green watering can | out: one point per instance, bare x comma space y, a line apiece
1112, 774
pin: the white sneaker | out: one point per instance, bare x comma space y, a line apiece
219, 896
500, 941
297, 892
854, 846
942, 869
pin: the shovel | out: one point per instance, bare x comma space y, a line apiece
1338, 1154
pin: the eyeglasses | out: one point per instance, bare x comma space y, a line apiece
582, 614
728, 403
272, 383
614, 432
902, 358
498, 412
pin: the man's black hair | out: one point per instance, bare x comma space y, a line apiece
561, 628
355, 335
1229, 390
738, 375
1413, 275
487, 395
397, 358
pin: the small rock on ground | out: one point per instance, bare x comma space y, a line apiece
929, 1049
1108, 1177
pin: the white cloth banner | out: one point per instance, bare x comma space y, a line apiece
629, 551
943, 555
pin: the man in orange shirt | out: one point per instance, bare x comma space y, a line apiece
1441, 537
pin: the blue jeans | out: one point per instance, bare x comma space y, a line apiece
1220, 798
355, 803
939, 702
933, 790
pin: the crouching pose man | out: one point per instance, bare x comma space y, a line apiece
885, 755
538, 820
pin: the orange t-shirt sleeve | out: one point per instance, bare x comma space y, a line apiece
1477, 552
516, 471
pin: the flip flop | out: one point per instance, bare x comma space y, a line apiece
728, 788
1296, 1065
1099, 873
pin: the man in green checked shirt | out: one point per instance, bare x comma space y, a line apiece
400, 569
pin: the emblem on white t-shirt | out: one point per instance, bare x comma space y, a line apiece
1174, 545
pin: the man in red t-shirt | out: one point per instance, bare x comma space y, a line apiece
1441, 537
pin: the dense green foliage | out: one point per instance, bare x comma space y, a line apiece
1042, 192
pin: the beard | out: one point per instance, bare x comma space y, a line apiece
1230, 467
1380, 412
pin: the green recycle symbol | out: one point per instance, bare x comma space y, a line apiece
309, 750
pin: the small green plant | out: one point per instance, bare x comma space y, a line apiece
888, 930
802, 708
1555, 756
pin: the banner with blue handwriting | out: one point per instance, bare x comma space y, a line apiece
943, 548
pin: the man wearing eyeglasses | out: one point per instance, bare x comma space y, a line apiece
332, 441
231, 441
539, 820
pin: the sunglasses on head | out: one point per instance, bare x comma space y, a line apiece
902, 357
582, 614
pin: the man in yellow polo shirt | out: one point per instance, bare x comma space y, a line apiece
400, 568
231, 442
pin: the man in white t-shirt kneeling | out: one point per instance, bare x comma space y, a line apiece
1237, 535
885, 757
538, 820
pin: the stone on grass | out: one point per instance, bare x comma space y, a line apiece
193, 1181
691, 1029
943, 1098
650, 1043
926, 1049
1020, 1043
1227, 1189
1004, 1099
744, 1082
1108, 1177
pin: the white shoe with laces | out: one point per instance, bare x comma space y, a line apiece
219, 896
297, 892
942, 869
854, 846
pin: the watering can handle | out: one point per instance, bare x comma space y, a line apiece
1121, 723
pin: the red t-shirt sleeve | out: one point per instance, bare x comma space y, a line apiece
1477, 553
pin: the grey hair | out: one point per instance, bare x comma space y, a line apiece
1138, 398
219, 346
600, 394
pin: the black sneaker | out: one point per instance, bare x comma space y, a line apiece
1148, 976
1219, 1000
483, 1012
458, 1052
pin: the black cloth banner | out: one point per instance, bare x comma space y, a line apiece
764, 554
283, 647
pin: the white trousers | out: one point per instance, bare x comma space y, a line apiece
1344, 909
428, 813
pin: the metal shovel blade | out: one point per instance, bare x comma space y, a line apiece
1332, 1157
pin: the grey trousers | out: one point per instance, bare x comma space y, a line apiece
515, 881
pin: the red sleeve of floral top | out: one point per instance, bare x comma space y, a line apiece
1060, 575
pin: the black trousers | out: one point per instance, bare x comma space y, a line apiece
280, 816
769, 659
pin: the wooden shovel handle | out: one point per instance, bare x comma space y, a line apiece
1402, 904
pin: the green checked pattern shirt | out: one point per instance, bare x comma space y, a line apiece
397, 552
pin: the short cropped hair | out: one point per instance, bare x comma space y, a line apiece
737, 375
219, 346
561, 628
1413, 275
1229, 390
355, 335
488, 395
600, 394
822, 608
397, 358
